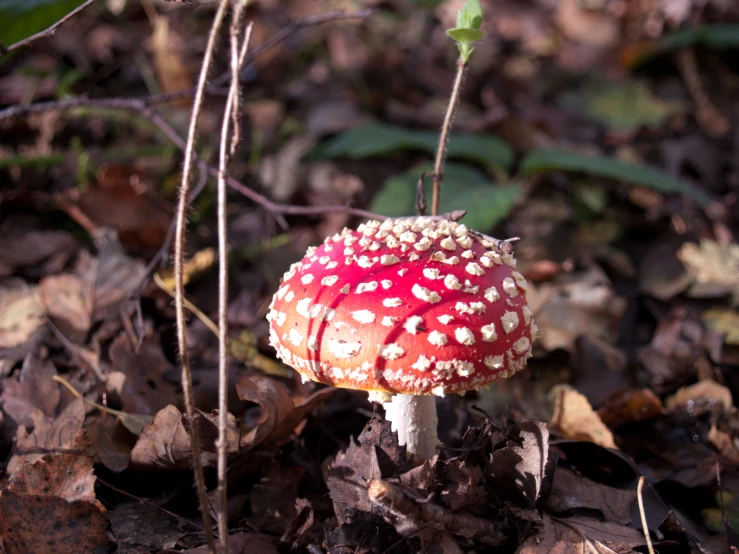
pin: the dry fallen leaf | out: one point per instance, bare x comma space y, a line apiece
576, 304
50, 505
140, 527
21, 314
114, 274
375, 454
630, 405
575, 418
30, 249
148, 382
571, 491
713, 266
516, 471
68, 303
581, 535
701, 397
194, 267
48, 435
281, 413
31, 392
163, 444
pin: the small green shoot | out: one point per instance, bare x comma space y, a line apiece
467, 31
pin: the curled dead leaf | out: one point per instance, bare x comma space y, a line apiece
575, 418
163, 444
281, 413
700, 398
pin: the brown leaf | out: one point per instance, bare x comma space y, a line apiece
38, 525
599, 368
208, 429
517, 470
464, 487
704, 396
301, 523
65, 474
137, 524
21, 314
375, 455
121, 201
571, 491
677, 345
281, 413
32, 391
114, 274
29, 249
574, 305
575, 418
163, 444
630, 406
48, 435
595, 28
579, 535
111, 444
150, 380
67, 299
50, 505
421, 478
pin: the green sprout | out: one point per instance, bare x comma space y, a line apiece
467, 31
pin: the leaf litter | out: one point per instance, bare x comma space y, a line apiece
624, 203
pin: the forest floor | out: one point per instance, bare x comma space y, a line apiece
606, 138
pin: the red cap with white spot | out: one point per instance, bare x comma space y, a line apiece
409, 306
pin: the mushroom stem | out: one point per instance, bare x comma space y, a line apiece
414, 418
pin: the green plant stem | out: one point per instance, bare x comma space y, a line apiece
444, 136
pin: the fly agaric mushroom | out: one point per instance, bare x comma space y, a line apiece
413, 308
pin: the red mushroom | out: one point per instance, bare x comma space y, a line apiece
410, 307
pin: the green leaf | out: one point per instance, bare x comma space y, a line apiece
470, 15
538, 161
465, 35
464, 188
19, 19
378, 139
627, 106
709, 36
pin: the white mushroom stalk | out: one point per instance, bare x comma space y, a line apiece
414, 308
414, 419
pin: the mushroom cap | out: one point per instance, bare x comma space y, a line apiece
409, 306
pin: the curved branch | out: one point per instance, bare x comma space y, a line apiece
48, 32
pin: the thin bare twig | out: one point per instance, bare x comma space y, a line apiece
179, 264
643, 516
391, 498
444, 136
48, 32
229, 126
